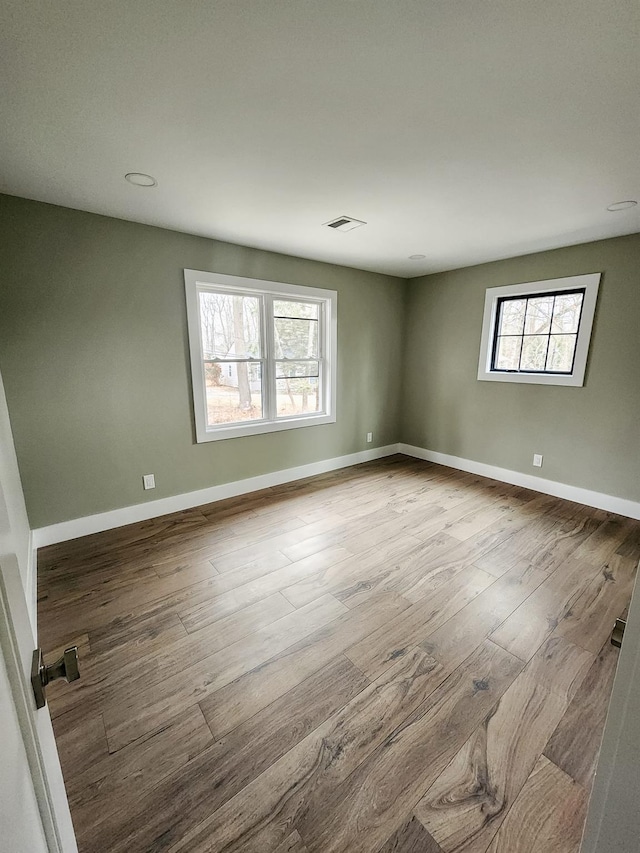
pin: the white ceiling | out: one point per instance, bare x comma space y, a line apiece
464, 131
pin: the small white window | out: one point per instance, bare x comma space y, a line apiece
263, 355
539, 331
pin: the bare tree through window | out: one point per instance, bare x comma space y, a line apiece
537, 333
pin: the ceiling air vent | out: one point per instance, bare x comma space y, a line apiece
344, 223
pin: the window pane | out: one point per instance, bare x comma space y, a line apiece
234, 392
561, 349
539, 312
508, 353
285, 308
294, 369
230, 325
296, 396
296, 338
512, 317
534, 352
566, 315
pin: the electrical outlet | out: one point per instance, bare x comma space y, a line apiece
537, 460
149, 481
369, 436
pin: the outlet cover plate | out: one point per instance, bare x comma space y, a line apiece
149, 481
537, 460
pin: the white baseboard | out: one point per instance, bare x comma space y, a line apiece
66, 530
599, 500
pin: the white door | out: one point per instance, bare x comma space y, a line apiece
34, 813
613, 821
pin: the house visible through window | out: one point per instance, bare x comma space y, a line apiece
538, 332
262, 355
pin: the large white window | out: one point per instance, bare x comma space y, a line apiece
263, 355
538, 332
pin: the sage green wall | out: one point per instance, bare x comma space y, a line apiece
93, 353
589, 436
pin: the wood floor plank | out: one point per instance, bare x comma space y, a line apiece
478, 520
588, 622
82, 741
575, 744
66, 556
548, 815
253, 730
528, 626
560, 666
222, 632
197, 613
102, 607
538, 541
356, 536
247, 528
292, 844
412, 837
400, 570
467, 803
198, 789
100, 581
247, 695
262, 565
214, 598
439, 570
380, 649
528, 508
98, 795
318, 763
296, 544
602, 544
136, 636
357, 570
393, 777
460, 635
272, 562
129, 716
630, 545
573, 535
103, 675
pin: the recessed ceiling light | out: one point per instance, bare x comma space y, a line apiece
417, 257
344, 223
139, 179
622, 205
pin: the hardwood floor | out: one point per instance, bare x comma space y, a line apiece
391, 657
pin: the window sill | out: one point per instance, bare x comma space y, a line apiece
532, 378
260, 427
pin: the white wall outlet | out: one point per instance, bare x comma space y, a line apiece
537, 460
369, 436
149, 481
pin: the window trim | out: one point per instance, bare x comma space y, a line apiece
196, 280
588, 283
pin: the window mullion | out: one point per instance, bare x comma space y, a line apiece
323, 383
270, 361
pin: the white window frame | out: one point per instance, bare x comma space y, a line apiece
589, 283
196, 281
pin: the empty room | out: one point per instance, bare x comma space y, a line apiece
319, 426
